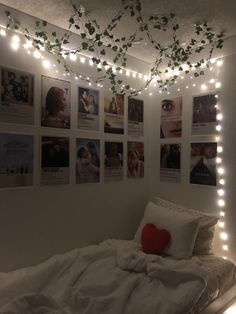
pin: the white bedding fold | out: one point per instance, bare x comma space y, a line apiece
114, 277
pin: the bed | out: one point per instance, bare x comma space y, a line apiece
118, 277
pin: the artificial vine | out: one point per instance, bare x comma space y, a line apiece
98, 40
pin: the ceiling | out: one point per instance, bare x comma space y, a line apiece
221, 14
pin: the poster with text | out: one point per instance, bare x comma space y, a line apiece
113, 170
113, 113
203, 163
135, 117
204, 114
17, 97
135, 160
54, 160
88, 109
87, 160
170, 162
56, 103
16, 160
171, 118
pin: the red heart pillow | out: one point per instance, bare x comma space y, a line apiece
154, 240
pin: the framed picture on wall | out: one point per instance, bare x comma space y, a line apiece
56, 103
16, 160
113, 113
170, 162
135, 117
203, 163
204, 114
135, 160
17, 96
171, 118
87, 160
113, 159
88, 109
54, 160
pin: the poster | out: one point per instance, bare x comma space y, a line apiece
204, 114
56, 102
87, 160
16, 160
203, 163
114, 113
170, 162
54, 160
135, 117
113, 161
88, 109
17, 97
135, 160
171, 118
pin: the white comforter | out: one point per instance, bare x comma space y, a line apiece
114, 277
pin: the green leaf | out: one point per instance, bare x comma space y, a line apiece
102, 52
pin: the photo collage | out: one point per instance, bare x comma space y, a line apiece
17, 107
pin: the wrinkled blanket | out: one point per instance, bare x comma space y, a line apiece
114, 277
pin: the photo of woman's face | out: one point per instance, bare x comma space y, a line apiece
171, 107
171, 129
61, 104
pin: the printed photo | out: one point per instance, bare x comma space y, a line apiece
113, 161
135, 117
56, 103
16, 160
170, 162
88, 109
87, 160
204, 114
54, 160
203, 163
135, 160
171, 118
113, 113
17, 97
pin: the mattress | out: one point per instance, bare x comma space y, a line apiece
221, 277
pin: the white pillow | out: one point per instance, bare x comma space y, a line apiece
204, 240
182, 227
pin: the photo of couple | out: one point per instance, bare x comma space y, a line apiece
87, 161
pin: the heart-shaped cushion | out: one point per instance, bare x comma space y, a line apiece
154, 240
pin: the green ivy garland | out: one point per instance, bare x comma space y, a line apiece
94, 40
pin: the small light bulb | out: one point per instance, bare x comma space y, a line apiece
221, 170
221, 192
212, 81
222, 213
225, 247
187, 86
114, 69
16, 39
217, 85
90, 83
3, 32
222, 182
37, 54
134, 74
218, 160
213, 61
221, 203
224, 236
221, 224
150, 94
204, 87
46, 64
219, 63
82, 59
73, 57
140, 75
219, 149
121, 71
145, 77
178, 89
15, 45
194, 85
218, 128
76, 77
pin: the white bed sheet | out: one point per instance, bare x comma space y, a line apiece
220, 277
114, 277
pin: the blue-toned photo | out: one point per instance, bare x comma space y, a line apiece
16, 160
